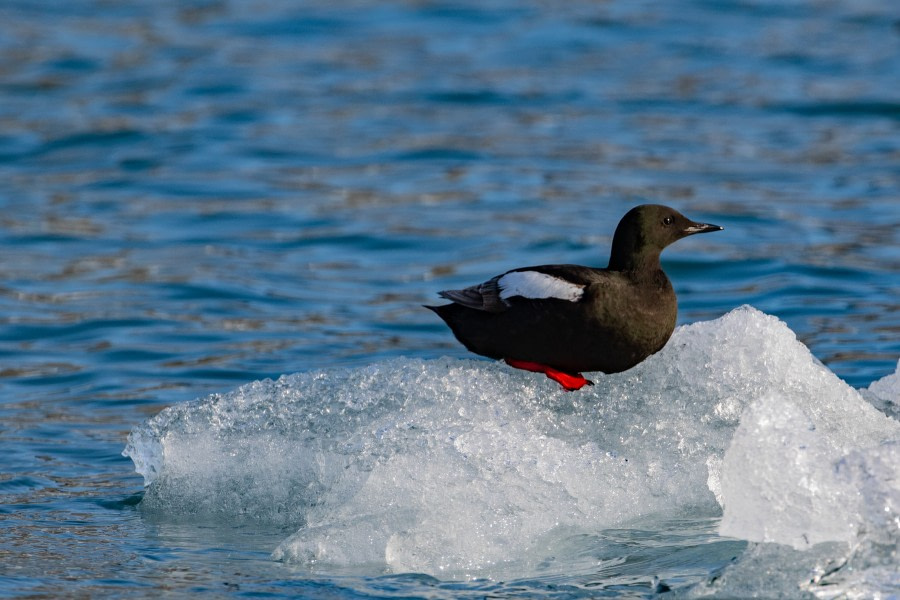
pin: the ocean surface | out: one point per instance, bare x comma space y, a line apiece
219, 220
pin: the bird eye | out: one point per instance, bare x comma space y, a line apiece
668, 221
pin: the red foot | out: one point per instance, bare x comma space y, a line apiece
568, 381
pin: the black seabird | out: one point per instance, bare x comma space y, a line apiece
561, 320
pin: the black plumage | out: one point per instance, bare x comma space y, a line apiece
588, 319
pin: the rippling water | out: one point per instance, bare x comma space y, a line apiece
196, 195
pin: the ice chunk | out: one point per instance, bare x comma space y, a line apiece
872, 567
779, 476
884, 394
466, 468
770, 571
867, 568
800, 474
778, 480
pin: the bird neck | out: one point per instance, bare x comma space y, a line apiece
637, 263
630, 250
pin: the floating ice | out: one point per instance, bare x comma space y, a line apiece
872, 567
884, 394
468, 468
869, 567
780, 479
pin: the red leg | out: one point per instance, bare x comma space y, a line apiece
568, 381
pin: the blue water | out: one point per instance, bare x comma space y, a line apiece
198, 195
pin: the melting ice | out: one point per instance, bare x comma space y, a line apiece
460, 468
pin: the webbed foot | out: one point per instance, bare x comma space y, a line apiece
569, 381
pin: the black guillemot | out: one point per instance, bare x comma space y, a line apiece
561, 320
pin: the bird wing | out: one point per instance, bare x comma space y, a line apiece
484, 296
565, 282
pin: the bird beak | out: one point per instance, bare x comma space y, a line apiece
701, 228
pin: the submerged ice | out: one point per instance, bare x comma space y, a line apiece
460, 468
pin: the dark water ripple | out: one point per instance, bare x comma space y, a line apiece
194, 195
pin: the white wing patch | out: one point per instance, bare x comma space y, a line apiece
534, 285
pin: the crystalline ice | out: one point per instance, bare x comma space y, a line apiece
884, 394
871, 569
778, 480
462, 467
